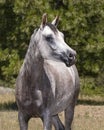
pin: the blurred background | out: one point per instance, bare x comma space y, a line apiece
81, 21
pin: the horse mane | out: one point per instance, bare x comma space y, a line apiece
35, 31
29, 57
52, 27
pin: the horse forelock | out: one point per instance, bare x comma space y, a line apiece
52, 27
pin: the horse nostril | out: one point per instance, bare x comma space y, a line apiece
70, 55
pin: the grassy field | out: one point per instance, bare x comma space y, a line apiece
89, 114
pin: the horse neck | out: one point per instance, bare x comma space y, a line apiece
33, 62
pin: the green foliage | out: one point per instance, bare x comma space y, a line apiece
81, 21
9, 65
90, 88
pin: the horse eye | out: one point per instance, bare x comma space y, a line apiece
49, 38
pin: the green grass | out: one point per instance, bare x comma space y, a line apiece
92, 91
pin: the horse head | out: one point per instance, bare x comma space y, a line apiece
51, 43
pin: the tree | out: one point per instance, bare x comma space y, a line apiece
82, 22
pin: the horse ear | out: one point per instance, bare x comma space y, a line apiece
44, 20
56, 21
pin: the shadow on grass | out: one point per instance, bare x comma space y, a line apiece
8, 106
13, 106
90, 102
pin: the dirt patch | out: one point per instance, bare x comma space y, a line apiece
90, 111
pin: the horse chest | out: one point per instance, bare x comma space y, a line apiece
59, 76
62, 86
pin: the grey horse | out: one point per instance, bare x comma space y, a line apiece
48, 81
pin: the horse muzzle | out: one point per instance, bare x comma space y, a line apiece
68, 58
